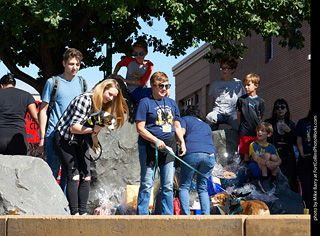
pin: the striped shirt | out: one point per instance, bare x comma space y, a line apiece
77, 112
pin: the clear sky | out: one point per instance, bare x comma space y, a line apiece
93, 75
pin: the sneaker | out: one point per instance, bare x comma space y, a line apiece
265, 185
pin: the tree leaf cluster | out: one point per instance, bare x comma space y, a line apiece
38, 31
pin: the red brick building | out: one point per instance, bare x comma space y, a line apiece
284, 72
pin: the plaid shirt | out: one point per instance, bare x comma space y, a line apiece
77, 112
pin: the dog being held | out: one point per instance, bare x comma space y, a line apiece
104, 119
101, 118
229, 204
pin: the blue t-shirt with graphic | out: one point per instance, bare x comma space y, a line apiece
260, 149
198, 135
67, 91
157, 114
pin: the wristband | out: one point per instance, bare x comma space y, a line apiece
93, 130
41, 138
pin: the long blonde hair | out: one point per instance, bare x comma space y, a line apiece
116, 107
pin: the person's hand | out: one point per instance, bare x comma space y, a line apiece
42, 146
284, 127
183, 149
119, 77
95, 144
97, 129
271, 164
161, 144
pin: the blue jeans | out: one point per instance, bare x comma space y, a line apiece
216, 118
146, 183
54, 162
204, 163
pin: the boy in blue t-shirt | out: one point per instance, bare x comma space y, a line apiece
265, 158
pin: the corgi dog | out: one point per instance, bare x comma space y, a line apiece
229, 204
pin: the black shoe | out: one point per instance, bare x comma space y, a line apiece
265, 185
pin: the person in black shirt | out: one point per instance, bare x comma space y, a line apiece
14, 104
283, 139
250, 110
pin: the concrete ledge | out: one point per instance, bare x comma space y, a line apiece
278, 225
155, 225
3, 222
124, 225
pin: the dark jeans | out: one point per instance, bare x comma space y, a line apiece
13, 142
74, 161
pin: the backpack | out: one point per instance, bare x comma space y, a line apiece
55, 90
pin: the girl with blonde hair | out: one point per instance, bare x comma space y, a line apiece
105, 96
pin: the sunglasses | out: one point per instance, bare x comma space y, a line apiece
138, 54
225, 68
161, 86
282, 107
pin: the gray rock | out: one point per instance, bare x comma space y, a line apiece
27, 183
119, 164
226, 143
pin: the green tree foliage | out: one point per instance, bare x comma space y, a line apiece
38, 31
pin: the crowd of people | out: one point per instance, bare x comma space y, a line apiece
66, 106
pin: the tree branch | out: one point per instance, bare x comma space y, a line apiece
4, 55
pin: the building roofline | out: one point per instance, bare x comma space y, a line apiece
190, 59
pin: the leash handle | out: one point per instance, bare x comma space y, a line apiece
156, 163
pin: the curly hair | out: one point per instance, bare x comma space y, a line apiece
193, 110
230, 61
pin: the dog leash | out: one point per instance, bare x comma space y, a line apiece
169, 149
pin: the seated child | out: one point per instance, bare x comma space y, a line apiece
225, 93
265, 158
139, 71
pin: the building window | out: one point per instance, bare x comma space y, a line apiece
269, 50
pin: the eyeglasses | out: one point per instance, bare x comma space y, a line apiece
161, 86
282, 107
138, 54
225, 68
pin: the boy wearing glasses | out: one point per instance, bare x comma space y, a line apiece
139, 71
225, 92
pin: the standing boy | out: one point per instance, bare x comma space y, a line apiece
66, 86
225, 92
250, 110
265, 158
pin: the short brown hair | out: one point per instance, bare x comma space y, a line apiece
73, 53
141, 44
158, 77
265, 126
255, 79
230, 61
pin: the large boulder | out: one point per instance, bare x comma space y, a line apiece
27, 184
119, 163
226, 143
